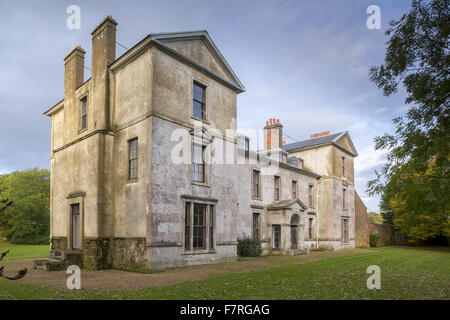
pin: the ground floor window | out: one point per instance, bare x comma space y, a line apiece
75, 225
310, 228
255, 234
345, 230
276, 236
199, 226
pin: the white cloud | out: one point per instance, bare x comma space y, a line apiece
369, 158
380, 110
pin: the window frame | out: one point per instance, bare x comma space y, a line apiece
276, 230
258, 189
310, 228
311, 196
195, 84
255, 225
208, 228
344, 166
345, 230
277, 188
133, 160
83, 113
202, 165
294, 189
344, 198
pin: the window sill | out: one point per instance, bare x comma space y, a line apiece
132, 180
191, 253
201, 184
200, 119
256, 198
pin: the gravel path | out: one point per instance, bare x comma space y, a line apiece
123, 280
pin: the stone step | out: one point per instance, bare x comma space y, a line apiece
48, 264
297, 252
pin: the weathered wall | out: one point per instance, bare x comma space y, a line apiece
361, 223
172, 94
170, 183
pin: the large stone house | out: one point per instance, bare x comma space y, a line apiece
138, 176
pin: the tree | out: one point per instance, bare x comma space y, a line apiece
28, 220
414, 182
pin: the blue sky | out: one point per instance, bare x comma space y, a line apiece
303, 62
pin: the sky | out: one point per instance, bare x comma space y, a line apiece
303, 62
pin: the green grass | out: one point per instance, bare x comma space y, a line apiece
23, 251
406, 273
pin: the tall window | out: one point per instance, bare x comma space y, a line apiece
310, 228
344, 198
187, 227
345, 230
247, 146
199, 163
276, 195
310, 196
276, 235
343, 166
83, 114
133, 159
198, 107
294, 189
199, 227
256, 187
211, 226
255, 226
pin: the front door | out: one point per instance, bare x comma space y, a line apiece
75, 225
294, 237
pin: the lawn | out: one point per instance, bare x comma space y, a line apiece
406, 273
23, 251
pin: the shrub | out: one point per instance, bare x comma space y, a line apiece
249, 248
374, 238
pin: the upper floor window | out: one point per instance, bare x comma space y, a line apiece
133, 158
83, 112
294, 189
343, 166
344, 198
310, 196
256, 184
198, 107
198, 163
246, 146
276, 188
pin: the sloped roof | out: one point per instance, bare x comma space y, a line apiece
204, 36
285, 204
320, 141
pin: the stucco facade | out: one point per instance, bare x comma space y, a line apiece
122, 147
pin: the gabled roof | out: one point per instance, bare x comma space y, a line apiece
285, 204
321, 141
161, 41
204, 36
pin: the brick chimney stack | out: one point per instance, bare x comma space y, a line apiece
273, 134
103, 54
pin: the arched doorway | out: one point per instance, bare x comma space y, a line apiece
294, 231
